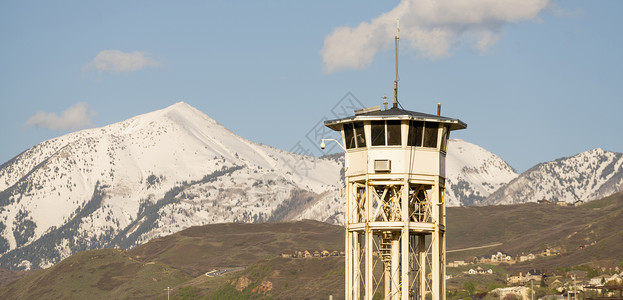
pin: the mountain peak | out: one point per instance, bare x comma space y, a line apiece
598, 151
181, 107
180, 113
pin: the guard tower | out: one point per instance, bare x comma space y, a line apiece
395, 169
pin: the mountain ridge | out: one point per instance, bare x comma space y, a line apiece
157, 173
586, 176
135, 164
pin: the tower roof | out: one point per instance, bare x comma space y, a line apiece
395, 114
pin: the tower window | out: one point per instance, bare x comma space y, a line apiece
377, 129
423, 134
349, 136
360, 136
386, 133
431, 131
416, 129
393, 133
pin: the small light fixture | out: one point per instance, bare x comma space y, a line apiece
323, 145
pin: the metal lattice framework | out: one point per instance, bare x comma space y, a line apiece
395, 239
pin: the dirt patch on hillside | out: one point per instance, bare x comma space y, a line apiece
242, 283
263, 288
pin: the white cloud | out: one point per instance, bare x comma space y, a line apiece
76, 117
428, 26
116, 61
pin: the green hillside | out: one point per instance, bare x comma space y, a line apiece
588, 235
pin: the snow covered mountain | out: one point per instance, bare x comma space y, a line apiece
151, 175
473, 173
155, 174
587, 176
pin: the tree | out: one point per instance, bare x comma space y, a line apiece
469, 287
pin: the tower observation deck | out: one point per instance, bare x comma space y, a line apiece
395, 215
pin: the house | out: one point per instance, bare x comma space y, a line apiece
555, 284
335, 253
307, 254
534, 272
324, 253
457, 263
515, 279
614, 279
479, 270
527, 257
599, 280
316, 253
605, 279
521, 279
286, 255
460, 263
481, 260
520, 291
501, 257
550, 252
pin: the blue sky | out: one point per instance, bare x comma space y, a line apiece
534, 83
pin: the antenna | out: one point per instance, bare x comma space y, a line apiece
397, 37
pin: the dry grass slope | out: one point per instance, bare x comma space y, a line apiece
180, 260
